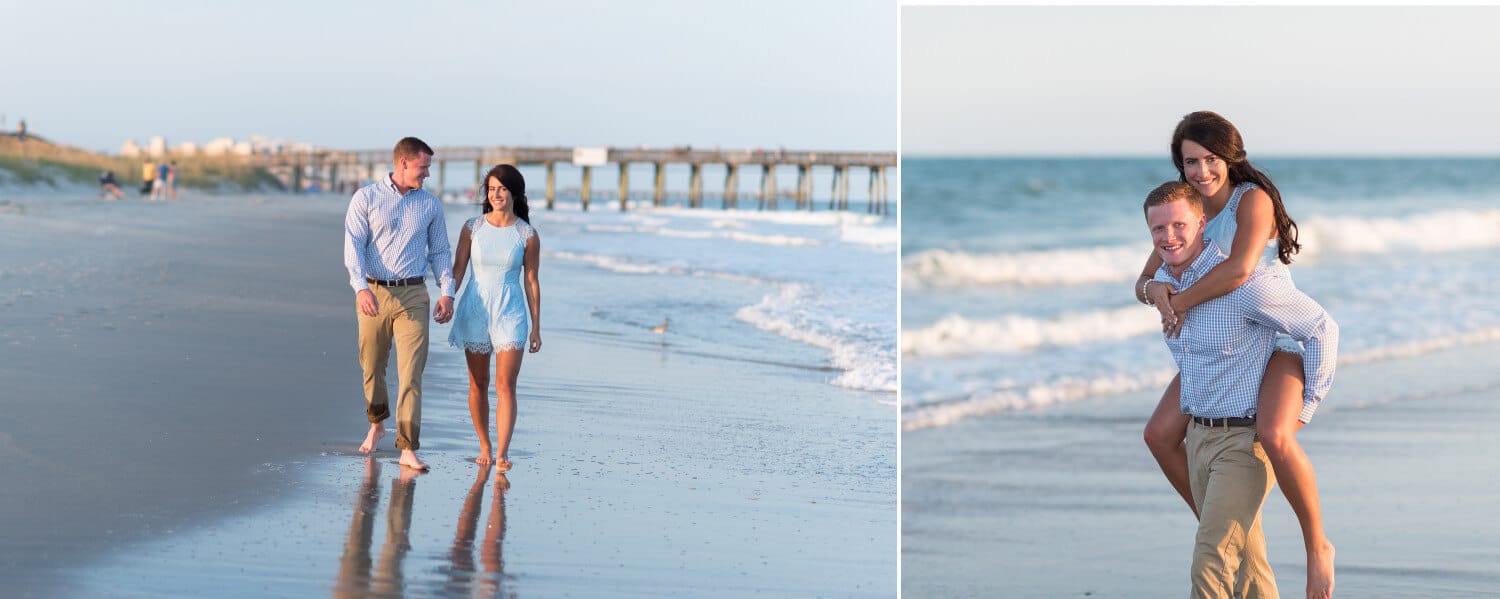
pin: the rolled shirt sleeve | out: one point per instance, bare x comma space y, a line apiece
1276, 303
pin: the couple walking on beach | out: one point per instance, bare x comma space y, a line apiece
394, 233
1255, 357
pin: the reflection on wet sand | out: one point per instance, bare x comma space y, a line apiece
463, 579
354, 579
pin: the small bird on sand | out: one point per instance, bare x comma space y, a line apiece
661, 329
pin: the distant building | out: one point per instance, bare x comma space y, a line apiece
129, 149
157, 147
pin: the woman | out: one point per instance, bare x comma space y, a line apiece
1244, 211
491, 316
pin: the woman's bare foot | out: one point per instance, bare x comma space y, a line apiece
372, 438
484, 458
1320, 573
409, 459
502, 465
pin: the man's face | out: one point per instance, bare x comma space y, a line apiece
1176, 232
411, 172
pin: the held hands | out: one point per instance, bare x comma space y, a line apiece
365, 301
536, 341
443, 312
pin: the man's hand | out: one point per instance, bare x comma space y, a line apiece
443, 312
365, 301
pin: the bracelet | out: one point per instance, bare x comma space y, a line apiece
1142, 292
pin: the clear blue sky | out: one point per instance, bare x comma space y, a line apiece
1296, 80
804, 75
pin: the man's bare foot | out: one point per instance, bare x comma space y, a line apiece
372, 439
502, 465
484, 458
1320, 573
409, 460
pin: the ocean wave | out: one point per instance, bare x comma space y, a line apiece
1064, 390
879, 237
1077, 266
782, 240
955, 335
860, 350
1435, 232
622, 265
1419, 347
944, 413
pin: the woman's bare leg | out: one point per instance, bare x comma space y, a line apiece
1277, 424
479, 401
1164, 434
507, 366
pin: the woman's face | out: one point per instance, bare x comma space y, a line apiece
498, 196
1205, 171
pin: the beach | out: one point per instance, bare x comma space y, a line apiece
184, 411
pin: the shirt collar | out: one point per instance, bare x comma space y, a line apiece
390, 183
1208, 258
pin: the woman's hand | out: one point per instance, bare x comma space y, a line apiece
536, 342
1160, 295
1174, 327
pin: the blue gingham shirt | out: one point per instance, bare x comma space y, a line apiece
391, 236
1226, 342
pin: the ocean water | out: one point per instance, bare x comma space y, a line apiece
1016, 273
825, 280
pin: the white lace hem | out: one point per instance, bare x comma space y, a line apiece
485, 348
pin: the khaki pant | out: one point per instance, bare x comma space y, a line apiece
402, 318
1230, 478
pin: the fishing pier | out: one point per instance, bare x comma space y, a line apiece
337, 170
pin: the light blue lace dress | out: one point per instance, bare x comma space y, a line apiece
491, 314
1221, 229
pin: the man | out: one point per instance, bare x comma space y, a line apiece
394, 232
1222, 353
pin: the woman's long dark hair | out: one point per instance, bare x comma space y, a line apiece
1216, 134
511, 178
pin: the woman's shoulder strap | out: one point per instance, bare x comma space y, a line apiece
1240, 190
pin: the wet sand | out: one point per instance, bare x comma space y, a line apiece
183, 409
1067, 502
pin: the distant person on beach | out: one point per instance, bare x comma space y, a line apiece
1221, 354
1245, 217
110, 187
148, 178
394, 232
21, 130
500, 310
159, 187
172, 181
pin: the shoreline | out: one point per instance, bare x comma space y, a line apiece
1069, 500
